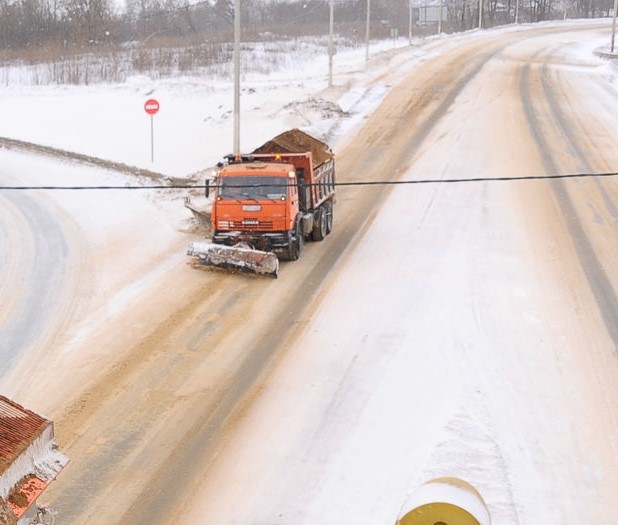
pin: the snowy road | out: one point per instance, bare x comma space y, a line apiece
470, 332
443, 329
34, 267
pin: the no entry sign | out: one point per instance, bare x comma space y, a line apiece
151, 106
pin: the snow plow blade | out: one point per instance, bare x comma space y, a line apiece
235, 258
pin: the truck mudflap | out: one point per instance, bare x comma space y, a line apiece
236, 258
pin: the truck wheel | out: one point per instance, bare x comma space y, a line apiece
328, 216
296, 245
319, 225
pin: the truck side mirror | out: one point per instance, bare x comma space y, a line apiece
207, 188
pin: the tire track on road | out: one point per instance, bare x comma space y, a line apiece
156, 452
382, 150
599, 282
602, 360
179, 464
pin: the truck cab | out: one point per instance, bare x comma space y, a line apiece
257, 203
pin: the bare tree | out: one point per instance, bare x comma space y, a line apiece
88, 21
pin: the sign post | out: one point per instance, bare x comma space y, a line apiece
151, 106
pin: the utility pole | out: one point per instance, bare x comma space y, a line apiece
614, 25
480, 14
517, 11
367, 31
330, 43
237, 78
410, 23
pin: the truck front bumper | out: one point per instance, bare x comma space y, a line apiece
265, 241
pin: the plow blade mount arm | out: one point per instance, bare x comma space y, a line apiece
235, 258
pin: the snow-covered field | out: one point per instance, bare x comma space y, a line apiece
455, 434
193, 128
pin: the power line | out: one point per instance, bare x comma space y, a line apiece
352, 183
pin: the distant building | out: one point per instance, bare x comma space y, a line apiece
29, 461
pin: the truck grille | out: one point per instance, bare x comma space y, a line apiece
246, 224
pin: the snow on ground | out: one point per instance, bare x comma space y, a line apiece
192, 131
452, 342
193, 128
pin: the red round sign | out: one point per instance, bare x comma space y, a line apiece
151, 106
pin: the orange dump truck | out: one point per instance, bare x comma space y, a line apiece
267, 203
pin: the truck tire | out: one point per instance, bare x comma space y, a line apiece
296, 244
328, 216
319, 225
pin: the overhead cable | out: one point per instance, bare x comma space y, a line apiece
340, 184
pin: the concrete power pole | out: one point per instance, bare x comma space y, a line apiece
237, 78
480, 14
614, 25
367, 31
330, 42
410, 22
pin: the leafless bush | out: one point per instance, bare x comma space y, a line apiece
85, 41
155, 61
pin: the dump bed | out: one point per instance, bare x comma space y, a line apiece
314, 162
297, 141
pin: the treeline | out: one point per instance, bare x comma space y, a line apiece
53, 24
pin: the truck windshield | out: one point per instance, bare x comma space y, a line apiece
251, 187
